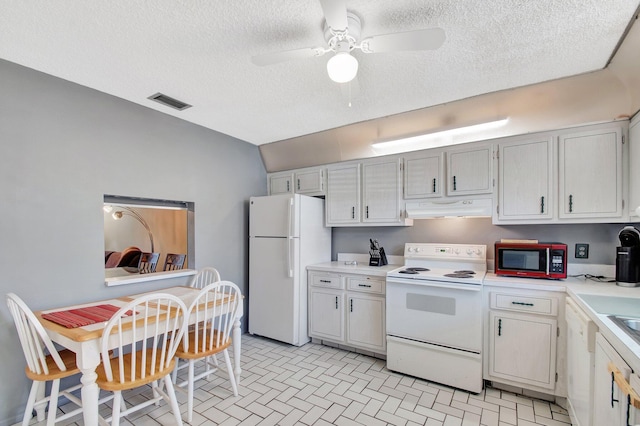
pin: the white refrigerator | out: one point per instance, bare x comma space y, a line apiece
286, 233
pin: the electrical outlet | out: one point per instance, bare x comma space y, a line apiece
582, 251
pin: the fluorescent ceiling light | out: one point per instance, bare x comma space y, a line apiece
436, 139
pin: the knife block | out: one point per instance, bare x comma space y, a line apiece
378, 258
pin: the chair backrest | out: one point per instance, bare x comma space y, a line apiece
148, 347
148, 262
33, 337
215, 310
174, 262
204, 277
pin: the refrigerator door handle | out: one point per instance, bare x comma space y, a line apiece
289, 262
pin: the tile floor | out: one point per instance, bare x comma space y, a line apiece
320, 385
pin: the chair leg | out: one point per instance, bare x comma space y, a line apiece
173, 400
53, 402
232, 377
115, 412
190, 386
28, 411
40, 403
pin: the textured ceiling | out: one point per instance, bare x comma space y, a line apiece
200, 52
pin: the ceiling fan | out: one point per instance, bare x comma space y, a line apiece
342, 34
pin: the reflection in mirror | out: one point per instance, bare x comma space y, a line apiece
140, 233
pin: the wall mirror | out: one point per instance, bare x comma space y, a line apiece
140, 233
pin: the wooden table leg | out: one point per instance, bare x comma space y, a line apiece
87, 360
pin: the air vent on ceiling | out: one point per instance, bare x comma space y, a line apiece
169, 101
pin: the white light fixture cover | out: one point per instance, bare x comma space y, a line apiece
436, 139
342, 67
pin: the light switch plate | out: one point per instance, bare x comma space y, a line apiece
582, 251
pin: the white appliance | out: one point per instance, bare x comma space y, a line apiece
434, 314
286, 233
581, 343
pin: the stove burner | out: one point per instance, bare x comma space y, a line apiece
458, 275
416, 268
465, 272
408, 271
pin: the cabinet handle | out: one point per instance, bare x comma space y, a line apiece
353, 212
364, 285
336, 302
288, 186
298, 184
351, 305
542, 204
500, 327
613, 382
522, 303
617, 378
325, 281
367, 212
454, 183
434, 185
570, 203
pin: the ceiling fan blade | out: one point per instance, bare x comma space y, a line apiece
428, 39
287, 55
335, 13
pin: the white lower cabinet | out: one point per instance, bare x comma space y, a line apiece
522, 340
609, 403
348, 310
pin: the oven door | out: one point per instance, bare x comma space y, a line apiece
445, 314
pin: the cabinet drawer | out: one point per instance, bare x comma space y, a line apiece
327, 280
366, 284
513, 302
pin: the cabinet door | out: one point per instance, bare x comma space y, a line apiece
523, 349
609, 403
469, 171
591, 174
381, 192
634, 169
326, 314
366, 320
423, 177
343, 195
280, 184
524, 180
309, 182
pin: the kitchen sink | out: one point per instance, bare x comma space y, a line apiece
631, 326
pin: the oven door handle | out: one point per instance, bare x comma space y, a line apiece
445, 285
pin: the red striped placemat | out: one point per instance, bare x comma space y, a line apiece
73, 318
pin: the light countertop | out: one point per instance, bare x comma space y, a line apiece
347, 267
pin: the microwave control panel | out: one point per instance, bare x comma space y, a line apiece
557, 261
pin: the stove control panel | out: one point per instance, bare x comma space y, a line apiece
445, 251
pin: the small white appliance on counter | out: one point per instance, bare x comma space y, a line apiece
434, 314
286, 234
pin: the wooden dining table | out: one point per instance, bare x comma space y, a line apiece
85, 342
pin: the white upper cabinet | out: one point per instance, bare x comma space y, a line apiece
305, 181
634, 169
365, 194
423, 176
343, 195
525, 176
469, 170
310, 182
590, 174
381, 191
281, 183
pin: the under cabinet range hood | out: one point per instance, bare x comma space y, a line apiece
449, 208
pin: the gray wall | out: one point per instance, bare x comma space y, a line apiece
602, 238
62, 147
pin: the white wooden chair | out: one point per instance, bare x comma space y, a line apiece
160, 323
204, 277
44, 363
215, 309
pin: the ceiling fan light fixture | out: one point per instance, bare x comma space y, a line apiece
342, 67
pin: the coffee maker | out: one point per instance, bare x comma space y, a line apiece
628, 258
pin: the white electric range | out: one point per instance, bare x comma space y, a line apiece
434, 314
